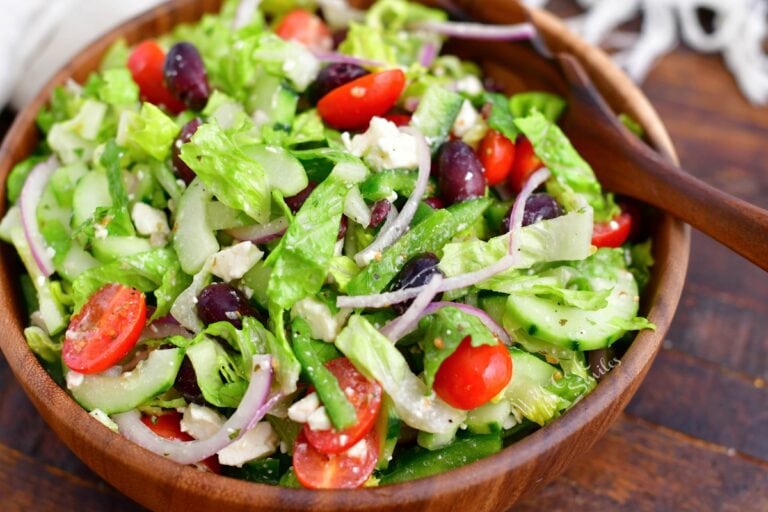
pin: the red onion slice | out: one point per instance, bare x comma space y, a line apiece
251, 410
261, 233
399, 327
348, 59
427, 54
490, 323
31, 192
388, 235
466, 30
508, 261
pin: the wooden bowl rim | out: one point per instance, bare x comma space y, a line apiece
83, 435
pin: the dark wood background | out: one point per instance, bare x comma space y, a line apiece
696, 435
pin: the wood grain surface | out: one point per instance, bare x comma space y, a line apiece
695, 437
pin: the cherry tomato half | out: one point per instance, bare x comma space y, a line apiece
399, 119
526, 163
168, 426
304, 27
365, 397
105, 329
614, 232
146, 64
344, 470
497, 154
471, 376
351, 106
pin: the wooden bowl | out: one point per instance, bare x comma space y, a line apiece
491, 484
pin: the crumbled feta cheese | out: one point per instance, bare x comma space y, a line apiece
319, 419
233, 262
359, 450
300, 411
466, 119
150, 222
74, 379
470, 85
99, 231
323, 324
261, 440
384, 146
201, 422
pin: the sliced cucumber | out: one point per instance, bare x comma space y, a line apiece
64, 180
436, 441
489, 418
91, 192
221, 216
121, 393
436, 114
193, 238
272, 102
115, 247
284, 171
574, 328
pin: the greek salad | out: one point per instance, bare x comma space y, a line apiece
302, 245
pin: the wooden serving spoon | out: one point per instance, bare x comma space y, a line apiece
623, 163
626, 165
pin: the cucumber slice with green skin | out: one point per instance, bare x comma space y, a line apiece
574, 328
114, 394
64, 180
115, 247
272, 102
435, 441
193, 238
489, 418
91, 192
436, 114
284, 171
388, 428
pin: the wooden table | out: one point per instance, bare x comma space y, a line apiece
696, 435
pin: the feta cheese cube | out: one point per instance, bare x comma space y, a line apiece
319, 419
260, 441
234, 261
383, 146
300, 411
323, 324
201, 422
470, 84
150, 222
466, 120
359, 450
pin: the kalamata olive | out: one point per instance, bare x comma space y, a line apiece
296, 202
379, 212
333, 76
221, 302
186, 382
339, 36
460, 173
538, 207
434, 202
418, 271
182, 169
342, 228
185, 75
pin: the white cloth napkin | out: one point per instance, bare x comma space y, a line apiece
38, 36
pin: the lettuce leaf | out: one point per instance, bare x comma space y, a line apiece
377, 358
236, 180
549, 105
555, 150
565, 238
145, 272
148, 132
301, 261
446, 329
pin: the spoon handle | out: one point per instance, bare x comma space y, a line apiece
737, 224
630, 167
